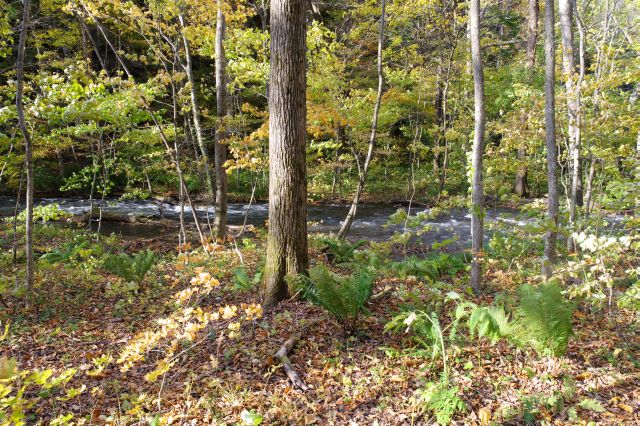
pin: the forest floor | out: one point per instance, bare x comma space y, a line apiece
167, 352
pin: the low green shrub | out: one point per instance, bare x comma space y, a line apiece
433, 267
345, 297
131, 268
338, 250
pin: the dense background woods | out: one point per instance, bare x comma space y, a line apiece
79, 53
451, 232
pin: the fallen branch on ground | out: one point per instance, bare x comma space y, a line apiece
286, 347
283, 352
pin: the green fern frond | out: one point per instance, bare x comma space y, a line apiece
543, 319
345, 297
131, 268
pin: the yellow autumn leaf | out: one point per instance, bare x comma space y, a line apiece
484, 414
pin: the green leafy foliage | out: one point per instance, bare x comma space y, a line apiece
66, 253
543, 319
131, 268
426, 329
433, 267
442, 400
45, 213
592, 405
489, 321
345, 297
243, 282
20, 390
340, 251
630, 299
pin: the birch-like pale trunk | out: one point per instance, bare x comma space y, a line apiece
550, 139
362, 171
28, 146
565, 11
220, 156
477, 187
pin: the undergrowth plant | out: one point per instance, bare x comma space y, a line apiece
441, 399
345, 297
432, 267
130, 268
20, 390
66, 253
243, 282
542, 320
338, 250
594, 271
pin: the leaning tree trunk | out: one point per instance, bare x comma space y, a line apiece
220, 221
565, 12
477, 189
188, 67
287, 235
550, 139
27, 143
521, 185
362, 172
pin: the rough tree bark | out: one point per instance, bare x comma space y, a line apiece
550, 139
565, 11
477, 189
521, 185
188, 68
22, 42
287, 234
362, 172
220, 221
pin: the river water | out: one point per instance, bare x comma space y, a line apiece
150, 219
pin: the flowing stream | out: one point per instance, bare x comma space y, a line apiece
151, 219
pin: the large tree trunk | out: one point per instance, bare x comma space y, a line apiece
477, 189
195, 111
27, 143
565, 12
362, 171
220, 221
521, 185
550, 139
287, 235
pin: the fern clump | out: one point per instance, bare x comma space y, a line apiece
489, 321
543, 319
66, 253
131, 268
345, 297
340, 251
433, 267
